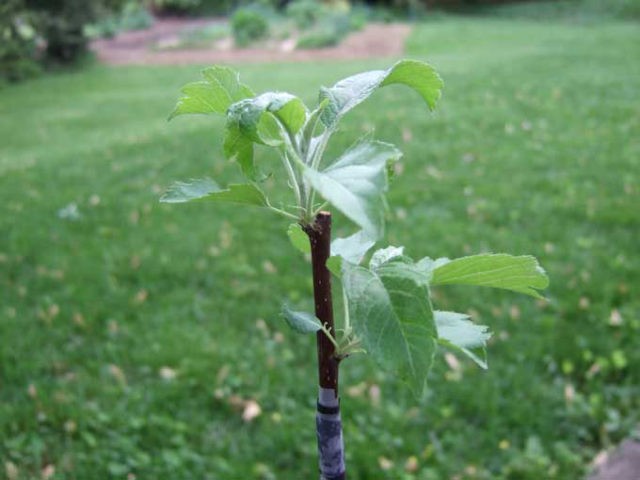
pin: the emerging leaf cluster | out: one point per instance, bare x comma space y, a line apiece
355, 183
388, 308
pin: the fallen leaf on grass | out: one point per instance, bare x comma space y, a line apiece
117, 373
411, 465
168, 373
452, 361
600, 459
385, 463
269, 267
32, 391
615, 319
11, 471
357, 390
48, 472
251, 410
584, 303
141, 296
374, 394
569, 393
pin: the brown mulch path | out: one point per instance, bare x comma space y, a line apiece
136, 48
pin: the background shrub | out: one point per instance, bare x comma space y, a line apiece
176, 6
17, 43
134, 16
33, 32
321, 38
248, 25
62, 23
304, 13
329, 24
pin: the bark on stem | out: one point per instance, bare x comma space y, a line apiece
328, 422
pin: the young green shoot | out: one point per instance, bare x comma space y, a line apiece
388, 308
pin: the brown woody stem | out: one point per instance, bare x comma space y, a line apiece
328, 422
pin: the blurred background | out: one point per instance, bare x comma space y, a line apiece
143, 341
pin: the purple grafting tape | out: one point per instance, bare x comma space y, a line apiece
330, 442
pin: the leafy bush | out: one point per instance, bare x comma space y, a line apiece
17, 43
319, 39
66, 41
332, 24
209, 7
248, 25
215, 7
48, 31
62, 23
358, 18
304, 13
134, 16
176, 6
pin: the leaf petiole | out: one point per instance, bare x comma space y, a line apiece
283, 213
293, 180
331, 338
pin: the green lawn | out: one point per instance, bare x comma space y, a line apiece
105, 294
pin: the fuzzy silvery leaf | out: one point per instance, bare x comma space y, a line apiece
384, 255
301, 322
356, 183
457, 331
253, 120
351, 249
351, 91
390, 312
290, 110
207, 189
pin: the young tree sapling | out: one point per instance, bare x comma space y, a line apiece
388, 311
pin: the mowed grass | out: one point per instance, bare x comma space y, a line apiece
134, 335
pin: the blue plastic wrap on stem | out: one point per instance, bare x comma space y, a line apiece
329, 431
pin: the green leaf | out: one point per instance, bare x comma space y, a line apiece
311, 125
221, 87
457, 331
250, 112
290, 110
299, 238
520, 274
384, 255
238, 147
356, 183
390, 312
351, 249
245, 117
253, 120
351, 91
207, 189
334, 264
427, 265
419, 76
301, 322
